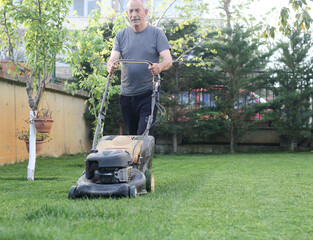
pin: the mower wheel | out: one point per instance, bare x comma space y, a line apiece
71, 193
150, 184
133, 192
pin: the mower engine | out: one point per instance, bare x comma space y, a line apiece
109, 166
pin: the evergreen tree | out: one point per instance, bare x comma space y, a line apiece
236, 66
292, 83
188, 72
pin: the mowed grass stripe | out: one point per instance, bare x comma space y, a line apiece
246, 195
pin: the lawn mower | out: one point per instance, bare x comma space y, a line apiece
119, 166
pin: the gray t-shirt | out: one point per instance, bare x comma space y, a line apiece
145, 45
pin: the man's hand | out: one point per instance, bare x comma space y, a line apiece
111, 67
166, 63
155, 69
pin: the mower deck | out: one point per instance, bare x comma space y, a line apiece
102, 177
86, 188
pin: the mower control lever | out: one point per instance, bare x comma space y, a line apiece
133, 61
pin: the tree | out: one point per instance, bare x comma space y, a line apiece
237, 66
88, 54
295, 17
185, 36
292, 84
237, 60
188, 72
43, 40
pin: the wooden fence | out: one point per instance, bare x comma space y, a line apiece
69, 131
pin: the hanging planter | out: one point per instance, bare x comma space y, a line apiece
38, 146
40, 138
43, 121
43, 125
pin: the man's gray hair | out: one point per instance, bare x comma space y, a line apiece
143, 3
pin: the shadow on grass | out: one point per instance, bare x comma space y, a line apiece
47, 178
13, 178
25, 179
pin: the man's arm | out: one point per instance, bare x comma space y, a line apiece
166, 63
111, 67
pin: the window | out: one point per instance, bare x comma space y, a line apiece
92, 5
183, 98
79, 7
187, 98
209, 99
249, 100
84, 7
206, 99
124, 4
193, 98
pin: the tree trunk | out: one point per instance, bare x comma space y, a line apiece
232, 138
292, 144
32, 148
174, 142
227, 11
174, 137
120, 129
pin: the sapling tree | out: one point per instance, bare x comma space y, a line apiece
38, 25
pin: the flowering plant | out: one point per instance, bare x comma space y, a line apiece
44, 113
24, 135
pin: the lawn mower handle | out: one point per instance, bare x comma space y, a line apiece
136, 61
155, 96
133, 61
110, 76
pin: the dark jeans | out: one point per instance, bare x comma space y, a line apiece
136, 111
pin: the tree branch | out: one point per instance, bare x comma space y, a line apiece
189, 50
11, 49
160, 18
121, 5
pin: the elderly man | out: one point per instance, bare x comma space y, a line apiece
142, 42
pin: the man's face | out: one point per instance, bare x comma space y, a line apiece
136, 13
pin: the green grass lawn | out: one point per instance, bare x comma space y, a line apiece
243, 196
